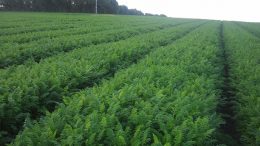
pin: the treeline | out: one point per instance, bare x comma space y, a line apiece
87, 6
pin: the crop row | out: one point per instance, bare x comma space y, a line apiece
168, 98
15, 55
19, 37
244, 52
35, 29
25, 18
250, 27
29, 20
58, 25
86, 28
31, 27
63, 23
27, 91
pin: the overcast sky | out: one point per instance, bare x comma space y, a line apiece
242, 10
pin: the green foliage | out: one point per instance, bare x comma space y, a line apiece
28, 91
253, 28
55, 43
103, 80
244, 51
162, 100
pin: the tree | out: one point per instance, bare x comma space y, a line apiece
107, 6
104, 6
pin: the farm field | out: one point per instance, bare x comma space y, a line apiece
84, 79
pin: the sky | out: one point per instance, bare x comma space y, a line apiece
239, 10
